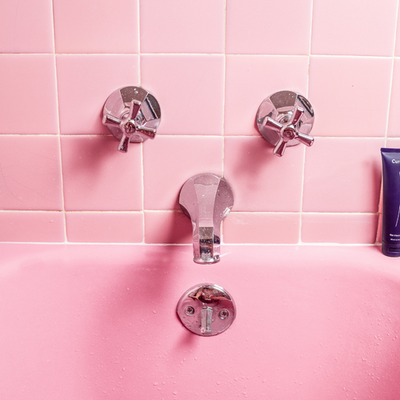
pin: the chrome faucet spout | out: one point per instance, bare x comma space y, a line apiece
206, 199
208, 243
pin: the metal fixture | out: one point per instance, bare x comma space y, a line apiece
206, 309
285, 119
206, 199
132, 114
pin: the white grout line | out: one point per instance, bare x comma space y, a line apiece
211, 54
190, 244
139, 44
31, 211
224, 93
91, 135
305, 213
141, 144
302, 192
309, 47
389, 105
58, 123
223, 111
332, 213
391, 75
142, 184
304, 147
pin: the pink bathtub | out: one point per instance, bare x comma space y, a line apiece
99, 322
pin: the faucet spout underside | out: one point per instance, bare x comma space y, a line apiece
206, 199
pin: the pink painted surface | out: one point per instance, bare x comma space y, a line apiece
97, 178
372, 32
256, 175
393, 142
101, 227
190, 91
342, 91
170, 161
176, 227
339, 228
28, 96
181, 28
38, 226
256, 85
243, 227
99, 322
35, 17
394, 117
352, 181
397, 48
30, 173
253, 29
85, 82
98, 26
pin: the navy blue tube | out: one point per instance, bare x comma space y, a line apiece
391, 202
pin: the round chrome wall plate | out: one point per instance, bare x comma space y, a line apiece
206, 309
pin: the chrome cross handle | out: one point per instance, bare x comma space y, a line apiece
132, 114
285, 119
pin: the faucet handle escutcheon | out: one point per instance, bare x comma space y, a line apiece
285, 119
132, 114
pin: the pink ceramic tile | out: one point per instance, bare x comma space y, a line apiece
397, 47
242, 100
31, 227
26, 26
349, 95
182, 26
260, 180
170, 161
84, 84
339, 228
379, 230
28, 97
30, 176
104, 227
393, 142
176, 227
94, 26
260, 27
343, 175
394, 117
189, 89
257, 228
97, 177
343, 27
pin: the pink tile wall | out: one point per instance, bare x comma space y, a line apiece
210, 64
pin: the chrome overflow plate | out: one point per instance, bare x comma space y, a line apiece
206, 309
132, 115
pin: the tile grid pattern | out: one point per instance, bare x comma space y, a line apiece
87, 192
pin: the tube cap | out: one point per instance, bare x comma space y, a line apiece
391, 250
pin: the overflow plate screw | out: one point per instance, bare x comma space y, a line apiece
189, 310
223, 314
